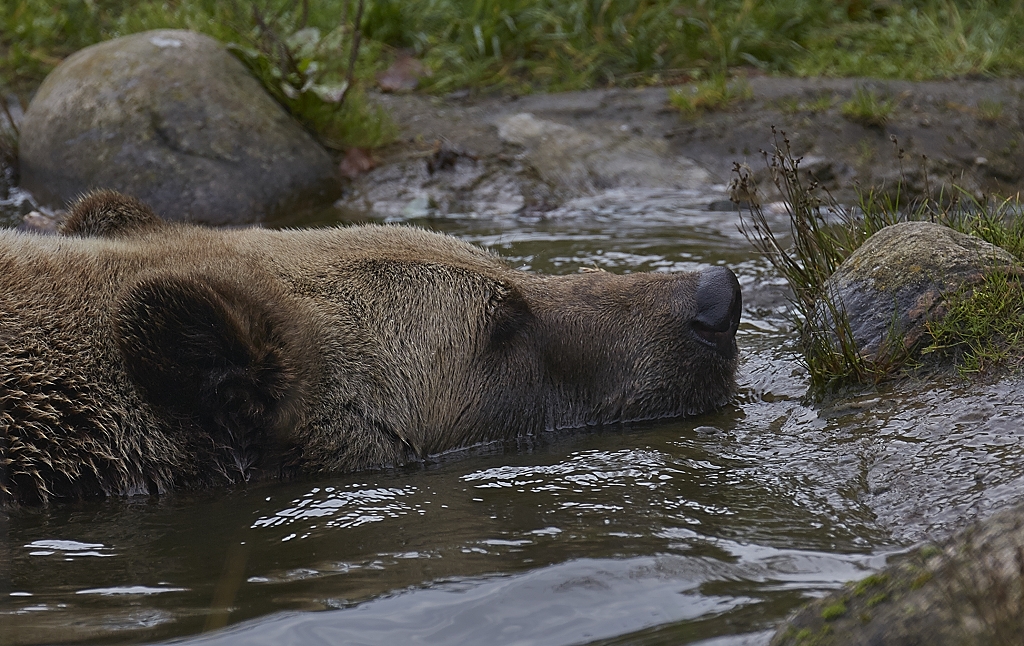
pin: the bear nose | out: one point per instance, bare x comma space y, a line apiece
719, 305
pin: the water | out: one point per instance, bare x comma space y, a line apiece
708, 530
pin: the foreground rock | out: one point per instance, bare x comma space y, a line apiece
965, 591
170, 117
897, 281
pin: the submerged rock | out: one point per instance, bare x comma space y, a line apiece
172, 118
897, 281
967, 590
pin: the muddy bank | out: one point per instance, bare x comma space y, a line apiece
461, 154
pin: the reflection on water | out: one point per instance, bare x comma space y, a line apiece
707, 530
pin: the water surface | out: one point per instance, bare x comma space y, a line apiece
707, 530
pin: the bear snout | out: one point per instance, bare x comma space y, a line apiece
719, 304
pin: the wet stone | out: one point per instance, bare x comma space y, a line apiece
967, 590
408, 188
898, 280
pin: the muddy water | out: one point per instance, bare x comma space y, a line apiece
705, 530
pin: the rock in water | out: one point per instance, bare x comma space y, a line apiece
896, 281
966, 590
170, 117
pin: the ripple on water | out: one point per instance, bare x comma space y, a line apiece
350, 506
68, 549
576, 601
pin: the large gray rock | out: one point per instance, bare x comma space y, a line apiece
581, 162
966, 591
897, 281
172, 118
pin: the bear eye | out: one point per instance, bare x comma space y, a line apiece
508, 314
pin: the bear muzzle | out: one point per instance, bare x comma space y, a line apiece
719, 306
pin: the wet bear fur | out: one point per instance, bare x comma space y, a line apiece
138, 356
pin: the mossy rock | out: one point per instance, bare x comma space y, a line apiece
172, 118
965, 591
898, 280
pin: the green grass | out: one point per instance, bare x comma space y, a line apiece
539, 45
984, 325
990, 111
817, 105
834, 611
716, 93
867, 108
871, 581
920, 40
881, 597
530, 45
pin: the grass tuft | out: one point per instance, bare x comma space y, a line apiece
822, 234
527, 45
312, 72
716, 93
983, 324
868, 108
868, 582
881, 597
834, 611
817, 105
989, 111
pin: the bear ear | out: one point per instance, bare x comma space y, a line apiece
231, 359
108, 214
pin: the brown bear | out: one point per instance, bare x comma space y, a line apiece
140, 356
